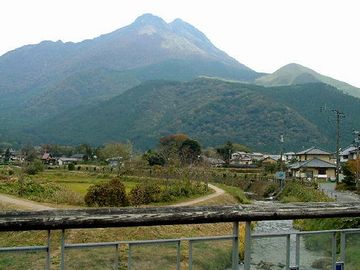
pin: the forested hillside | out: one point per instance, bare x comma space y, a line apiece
211, 111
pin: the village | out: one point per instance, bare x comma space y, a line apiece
311, 163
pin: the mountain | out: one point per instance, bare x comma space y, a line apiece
297, 74
211, 111
40, 81
152, 78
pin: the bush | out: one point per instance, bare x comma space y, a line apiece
71, 166
299, 192
107, 194
145, 193
34, 167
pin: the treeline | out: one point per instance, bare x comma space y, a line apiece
175, 149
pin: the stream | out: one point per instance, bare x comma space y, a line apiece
270, 253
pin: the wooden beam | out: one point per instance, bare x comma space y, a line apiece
128, 217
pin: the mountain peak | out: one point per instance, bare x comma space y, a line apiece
150, 19
294, 73
294, 67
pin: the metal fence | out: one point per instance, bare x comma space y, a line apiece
338, 239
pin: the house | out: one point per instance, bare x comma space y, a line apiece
65, 161
48, 159
270, 159
256, 156
313, 153
215, 162
115, 161
289, 156
241, 158
313, 168
79, 157
349, 153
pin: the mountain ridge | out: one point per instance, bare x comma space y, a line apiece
211, 111
294, 73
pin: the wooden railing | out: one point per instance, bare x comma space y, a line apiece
50, 220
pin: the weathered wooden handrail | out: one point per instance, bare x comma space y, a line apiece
127, 217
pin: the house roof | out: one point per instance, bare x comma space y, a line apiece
313, 151
348, 150
312, 163
46, 156
273, 157
68, 159
79, 156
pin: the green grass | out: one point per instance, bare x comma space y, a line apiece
299, 192
237, 193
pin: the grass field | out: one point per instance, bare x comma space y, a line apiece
144, 257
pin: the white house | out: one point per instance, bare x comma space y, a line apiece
349, 153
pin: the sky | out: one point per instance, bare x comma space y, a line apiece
265, 35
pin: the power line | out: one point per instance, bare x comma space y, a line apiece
338, 115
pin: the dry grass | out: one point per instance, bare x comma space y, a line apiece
148, 257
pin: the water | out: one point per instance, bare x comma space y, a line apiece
270, 253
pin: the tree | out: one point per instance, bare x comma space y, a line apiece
226, 151
112, 150
190, 151
107, 194
241, 148
154, 158
29, 153
86, 150
7, 156
170, 145
350, 172
58, 150
34, 167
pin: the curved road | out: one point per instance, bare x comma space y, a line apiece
30, 205
218, 192
22, 203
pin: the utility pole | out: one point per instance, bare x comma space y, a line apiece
281, 152
357, 160
339, 116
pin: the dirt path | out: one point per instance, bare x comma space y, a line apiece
23, 204
30, 205
218, 192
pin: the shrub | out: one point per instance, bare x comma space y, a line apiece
34, 167
71, 167
107, 194
145, 193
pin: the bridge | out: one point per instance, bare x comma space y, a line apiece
63, 220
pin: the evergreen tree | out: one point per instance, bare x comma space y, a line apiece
7, 156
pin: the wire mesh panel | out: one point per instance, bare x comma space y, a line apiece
92, 258
269, 253
352, 251
32, 260
316, 251
210, 255
157, 256
33, 255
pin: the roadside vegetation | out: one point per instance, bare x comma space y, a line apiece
307, 192
304, 191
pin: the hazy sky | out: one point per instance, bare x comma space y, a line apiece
263, 34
